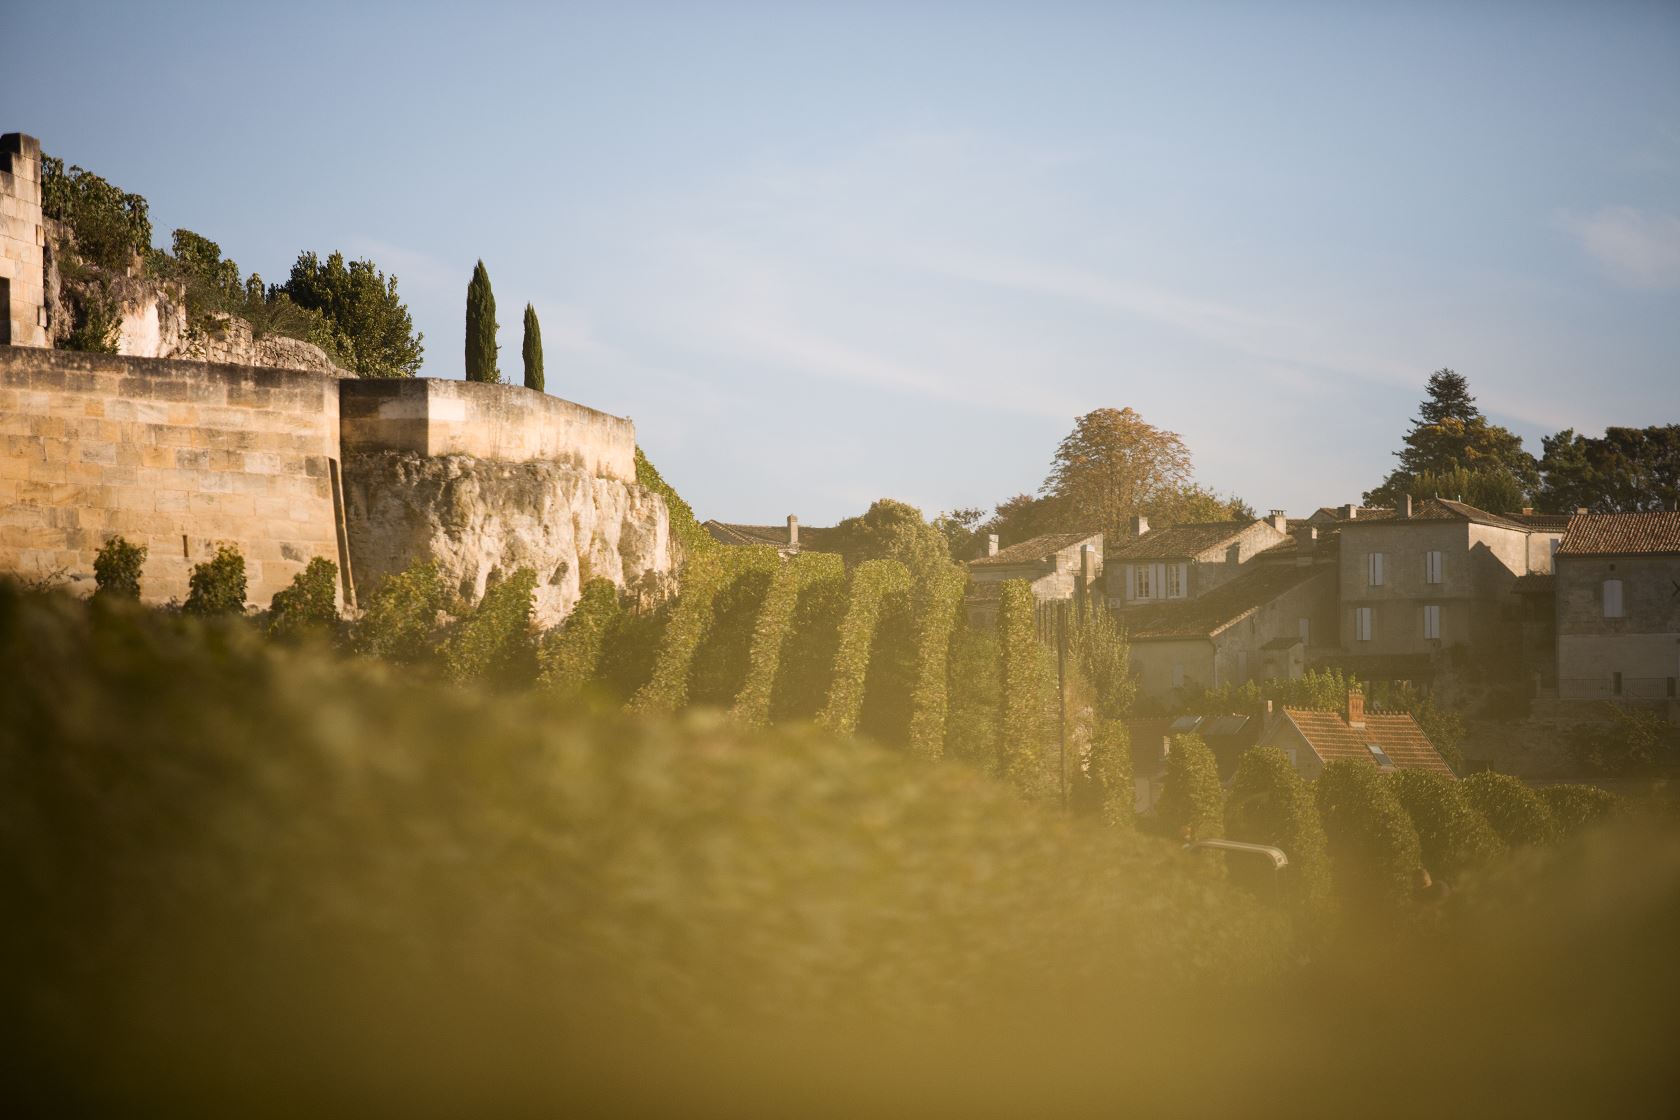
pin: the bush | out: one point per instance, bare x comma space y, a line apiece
569, 656
807, 664
773, 628
1628, 743
892, 530
368, 324
666, 690
97, 319
1270, 804
723, 656
1191, 797
110, 224
1453, 836
217, 586
400, 618
1577, 808
116, 569
1109, 772
1374, 850
493, 644
975, 677
877, 587
1516, 812
309, 605
939, 606
1021, 711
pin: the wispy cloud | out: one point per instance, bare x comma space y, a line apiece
1638, 248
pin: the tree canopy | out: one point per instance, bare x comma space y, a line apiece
1626, 470
1451, 435
892, 530
369, 325
1114, 465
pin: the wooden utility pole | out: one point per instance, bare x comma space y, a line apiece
1061, 696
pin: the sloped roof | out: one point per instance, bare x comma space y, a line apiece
1333, 514
1435, 509
1541, 522
1332, 738
1617, 534
810, 536
1036, 550
1179, 541
1535, 583
1208, 614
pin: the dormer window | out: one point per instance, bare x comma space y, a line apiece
1380, 757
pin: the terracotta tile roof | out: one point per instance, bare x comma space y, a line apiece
1535, 583
1616, 534
1331, 738
1179, 542
1208, 614
810, 536
1333, 514
1540, 522
1434, 509
1037, 550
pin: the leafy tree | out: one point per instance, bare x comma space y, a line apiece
369, 325
493, 644
1271, 804
892, 530
110, 224
1099, 649
532, 351
1451, 433
309, 605
399, 618
1192, 797
116, 569
1627, 470
1575, 808
960, 528
217, 586
481, 328
1193, 503
1022, 518
1516, 812
1114, 465
1494, 489
1374, 850
1453, 836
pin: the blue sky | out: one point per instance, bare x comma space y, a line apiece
824, 253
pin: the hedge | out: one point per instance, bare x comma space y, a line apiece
1191, 796
704, 576
773, 629
1271, 804
308, 605
975, 687
874, 584
493, 644
1516, 812
723, 656
1374, 850
1021, 714
1110, 773
569, 657
1578, 807
1453, 835
807, 662
939, 606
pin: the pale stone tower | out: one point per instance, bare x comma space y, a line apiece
23, 305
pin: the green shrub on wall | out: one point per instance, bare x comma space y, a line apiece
217, 586
116, 569
1021, 711
1516, 812
493, 645
1574, 808
1453, 836
807, 661
111, 225
1374, 850
772, 630
309, 605
874, 583
939, 606
569, 656
1191, 797
400, 618
1271, 804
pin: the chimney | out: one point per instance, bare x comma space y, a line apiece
1406, 505
1306, 544
1087, 565
793, 531
1140, 525
1355, 708
1278, 520
1528, 511
991, 544
1348, 512
1580, 509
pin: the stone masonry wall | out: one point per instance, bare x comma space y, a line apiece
178, 456
23, 315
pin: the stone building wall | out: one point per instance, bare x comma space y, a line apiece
23, 314
178, 456
1642, 644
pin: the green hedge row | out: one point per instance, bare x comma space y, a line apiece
875, 584
705, 575
773, 629
1021, 713
936, 619
569, 659
1270, 803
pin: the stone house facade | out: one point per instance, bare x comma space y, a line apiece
1186, 561
1618, 608
1058, 567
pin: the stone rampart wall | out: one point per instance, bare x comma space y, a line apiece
504, 423
23, 318
178, 456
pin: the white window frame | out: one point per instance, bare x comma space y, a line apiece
1432, 566
1432, 620
1374, 569
1612, 599
1305, 625
1141, 581
1362, 624
1176, 579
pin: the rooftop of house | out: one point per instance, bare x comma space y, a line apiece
1336, 514
1434, 509
811, 537
1535, 583
1224, 606
1179, 541
1621, 534
1332, 737
1037, 550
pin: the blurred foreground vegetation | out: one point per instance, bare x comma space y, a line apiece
247, 877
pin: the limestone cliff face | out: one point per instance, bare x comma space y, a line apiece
481, 518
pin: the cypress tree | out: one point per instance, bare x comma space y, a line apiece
532, 350
481, 328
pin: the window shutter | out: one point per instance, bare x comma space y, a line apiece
1183, 579
1131, 583
1159, 581
1612, 598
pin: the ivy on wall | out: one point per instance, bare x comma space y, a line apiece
705, 575
569, 658
773, 628
686, 529
940, 602
874, 584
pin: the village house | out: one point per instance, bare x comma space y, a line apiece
1185, 561
1313, 739
1057, 566
1617, 592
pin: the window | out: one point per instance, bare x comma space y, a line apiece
1178, 676
1379, 757
1432, 567
1140, 581
1306, 630
1374, 566
1612, 598
1362, 624
1175, 581
1431, 621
